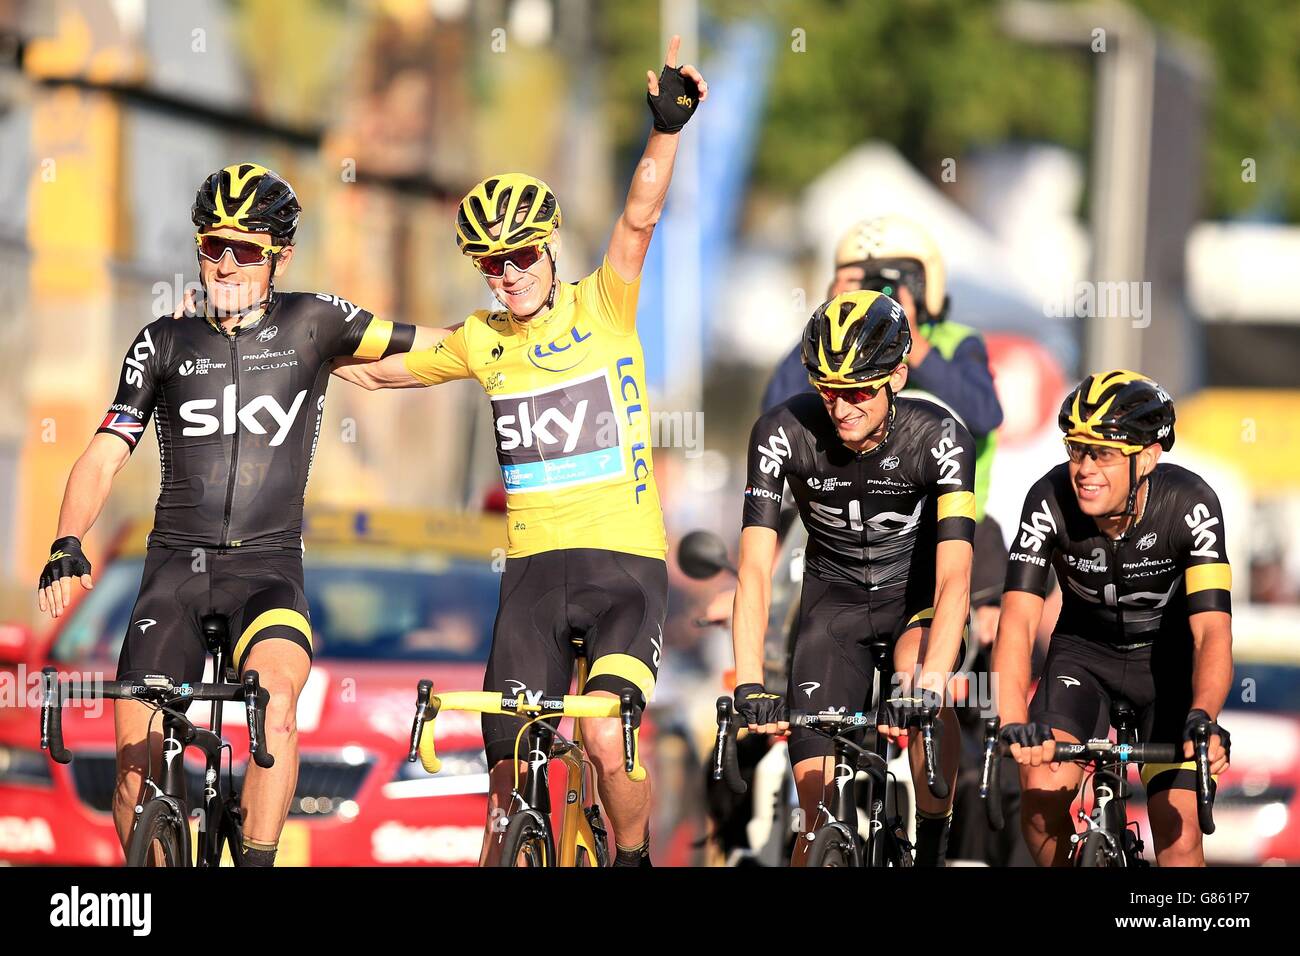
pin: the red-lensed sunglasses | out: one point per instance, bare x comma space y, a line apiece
854, 396
523, 259
246, 252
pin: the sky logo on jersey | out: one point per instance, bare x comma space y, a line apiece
551, 438
124, 425
773, 453
1034, 532
140, 352
945, 453
247, 415
559, 356
1200, 520
342, 304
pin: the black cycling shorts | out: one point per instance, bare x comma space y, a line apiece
261, 593
832, 666
1081, 680
614, 601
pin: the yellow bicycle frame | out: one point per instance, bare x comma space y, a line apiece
575, 830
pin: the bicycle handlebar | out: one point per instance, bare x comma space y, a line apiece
726, 766
152, 689
994, 747
829, 723
428, 705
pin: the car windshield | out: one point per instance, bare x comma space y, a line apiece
434, 608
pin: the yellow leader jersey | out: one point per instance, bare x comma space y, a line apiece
571, 414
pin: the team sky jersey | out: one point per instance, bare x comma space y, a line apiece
238, 416
571, 414
873, 518
1171, 564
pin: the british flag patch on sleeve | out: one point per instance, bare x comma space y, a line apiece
124, 425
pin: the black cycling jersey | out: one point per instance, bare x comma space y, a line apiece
1171, 564
238, 416
874, 518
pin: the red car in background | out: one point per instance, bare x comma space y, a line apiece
1257, 801
395, 597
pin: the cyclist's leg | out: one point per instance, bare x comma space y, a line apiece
1160, 687
933, 816
1072, 699
831, 668
618, 601
162, 638
530, 650
264, 596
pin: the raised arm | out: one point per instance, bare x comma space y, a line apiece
674, 96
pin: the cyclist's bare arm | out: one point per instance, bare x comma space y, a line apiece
1011, 662
391, 372
1211, 673
951, 609
649, 189
1013, 653
753, 601
88, 487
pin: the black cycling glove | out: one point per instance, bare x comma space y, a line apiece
905, 709
756, 706
66, 561
1031, 734
1197, 717
678, 99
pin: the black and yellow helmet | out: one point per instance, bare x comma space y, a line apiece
505, 212
1119, 409
857, 338
249, 197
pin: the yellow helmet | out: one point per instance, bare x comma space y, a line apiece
896, 237
505, 212
857, 338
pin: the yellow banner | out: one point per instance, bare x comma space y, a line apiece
1255, 430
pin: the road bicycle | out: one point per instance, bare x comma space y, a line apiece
160, 836
1107, 838
529, 838
836, 840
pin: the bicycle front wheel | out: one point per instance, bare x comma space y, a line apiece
832, 847
1098, 850
528, 841
158, 838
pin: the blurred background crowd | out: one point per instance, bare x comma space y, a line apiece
1109, 184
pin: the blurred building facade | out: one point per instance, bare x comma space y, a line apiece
381, 115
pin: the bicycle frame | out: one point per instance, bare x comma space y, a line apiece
575, 827
1110, 793
843, 807
579, 825
179, 734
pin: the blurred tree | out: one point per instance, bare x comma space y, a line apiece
939, 77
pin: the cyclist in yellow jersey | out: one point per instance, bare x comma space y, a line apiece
562, 366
